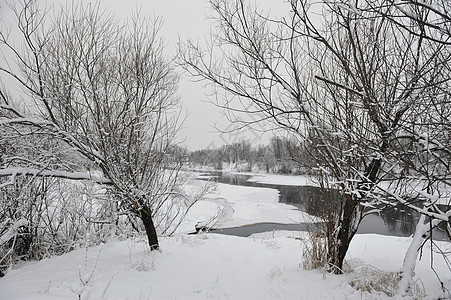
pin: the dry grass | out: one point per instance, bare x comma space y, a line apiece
366, 278
314, 250
362, 277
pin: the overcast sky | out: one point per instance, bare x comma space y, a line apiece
186, 19
182, 19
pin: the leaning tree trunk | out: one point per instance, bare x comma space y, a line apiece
410, 259
341, 240
407, 272
146, 217
349, 221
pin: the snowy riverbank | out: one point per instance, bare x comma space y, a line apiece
209, 266
213, 266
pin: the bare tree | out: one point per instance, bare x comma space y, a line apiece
424, 163
358, 89
105, 91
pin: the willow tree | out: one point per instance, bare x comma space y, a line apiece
105, 91
353, 85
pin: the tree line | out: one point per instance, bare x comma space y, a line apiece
281, 155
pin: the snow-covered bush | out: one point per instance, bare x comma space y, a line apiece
40, 217
102, 93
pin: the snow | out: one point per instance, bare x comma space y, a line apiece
266, 178
207, 266
241, 205
52, 173
214, 266
190, 267
12, 230
252, 205
299, 180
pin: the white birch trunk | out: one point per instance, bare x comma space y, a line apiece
410, 259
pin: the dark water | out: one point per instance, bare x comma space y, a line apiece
250, 229
398, 221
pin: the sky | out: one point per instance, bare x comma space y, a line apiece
188, 19
182, 20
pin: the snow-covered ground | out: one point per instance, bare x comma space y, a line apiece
296, 180
266, 178
240, 205
213, 266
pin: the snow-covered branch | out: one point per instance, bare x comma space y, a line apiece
53, 173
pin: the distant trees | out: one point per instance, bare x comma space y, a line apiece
366, 89
281, 155
98, 103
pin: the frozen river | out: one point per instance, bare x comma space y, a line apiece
399, 221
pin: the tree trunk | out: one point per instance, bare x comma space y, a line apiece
410, 259
345, 234
422, 231
146, 218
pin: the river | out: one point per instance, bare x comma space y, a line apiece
399, 221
